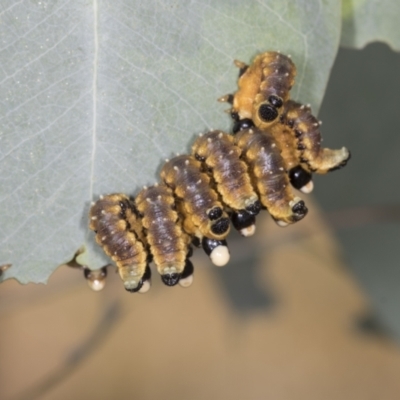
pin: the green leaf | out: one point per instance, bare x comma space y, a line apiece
366, 21
96, 94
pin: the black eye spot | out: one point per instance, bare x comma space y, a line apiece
267, 113
171, 279
300, 208
215, 213
242, 219
275, 101
299, 177
221, 226
210, 244
254, 208
242, 124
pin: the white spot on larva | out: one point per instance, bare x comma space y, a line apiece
186, 162
280, 169
144, 187
178, 154
220, 256
276, 71
308, 105
101, 197
94, 218
156, 184
201, 134
249, 231
103, 238
302, 107
148, 199
167, 160
220, 135
308, 188
159, 197
146, 287
263, 148
176, 168
209, 140
316, 124
97, 284
198, 182
112, 232
273, 145
164, 219
287, 74
103, 212
186, 282
92, 203
251, 131
231, 152
281, 223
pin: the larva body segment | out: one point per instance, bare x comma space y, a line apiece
119, 233
204, 215
300, 177
168, 243
219, 155
264, 87
266, 167
308, 140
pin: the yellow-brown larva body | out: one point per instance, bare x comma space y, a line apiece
308, 140
262, 155
168, 243
193, 188
119, 233
204, 215
300, 176
264, 87
216, 150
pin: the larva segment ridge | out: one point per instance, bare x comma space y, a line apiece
308, 139
119, 233
219, 155
204, 215
269, 177
168, 243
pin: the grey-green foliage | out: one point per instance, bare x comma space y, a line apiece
96, 94
365, 21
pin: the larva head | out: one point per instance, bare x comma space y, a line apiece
134, 280
267, 112
219, 223
96, 279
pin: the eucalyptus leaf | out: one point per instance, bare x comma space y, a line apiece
366, 21
96, 94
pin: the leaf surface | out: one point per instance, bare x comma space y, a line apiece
96, 94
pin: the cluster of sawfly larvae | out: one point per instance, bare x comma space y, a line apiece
227, 179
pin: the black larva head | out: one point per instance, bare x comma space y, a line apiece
255, 208
242, 124
300, 210
220, 227
267, 112
146, 276
275, 101
215, 213
171, 279
299, 177
242, 219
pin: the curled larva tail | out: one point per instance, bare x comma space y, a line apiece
262, 155
168, 243
117, 229
307, 134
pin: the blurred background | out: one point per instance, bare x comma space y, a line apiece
306, 312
